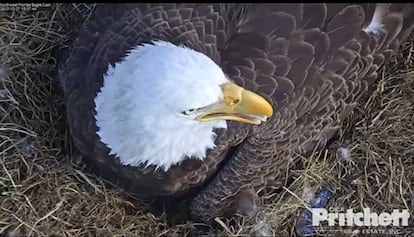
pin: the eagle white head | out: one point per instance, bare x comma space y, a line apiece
161, 103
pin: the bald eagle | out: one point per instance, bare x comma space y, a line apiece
219, 99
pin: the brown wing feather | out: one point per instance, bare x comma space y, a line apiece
327, 63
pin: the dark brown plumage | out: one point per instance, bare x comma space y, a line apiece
311, 61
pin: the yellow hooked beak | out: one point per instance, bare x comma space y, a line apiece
238, 104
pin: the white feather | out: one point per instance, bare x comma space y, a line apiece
376, 26
140, 103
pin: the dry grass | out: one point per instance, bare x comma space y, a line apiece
44, 190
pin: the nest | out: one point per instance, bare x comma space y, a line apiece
45, 189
